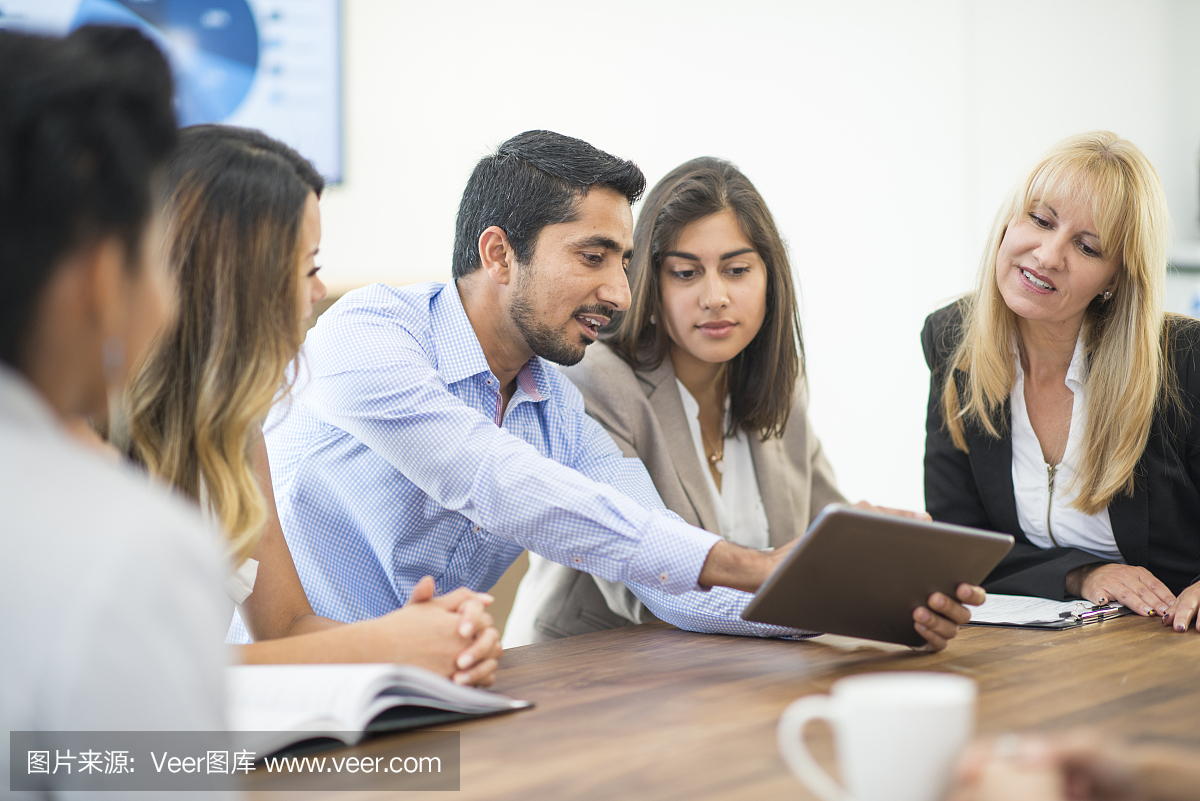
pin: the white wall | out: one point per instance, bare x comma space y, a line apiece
882, 134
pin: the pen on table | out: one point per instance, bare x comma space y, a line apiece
1095, 613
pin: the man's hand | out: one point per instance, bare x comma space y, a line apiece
939, 621
1135, 587
1182, 611
730, 565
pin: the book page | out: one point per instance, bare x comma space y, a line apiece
343, 697
419, 686
278, 697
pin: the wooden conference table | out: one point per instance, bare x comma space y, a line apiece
651, 712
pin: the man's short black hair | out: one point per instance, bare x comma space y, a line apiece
533, 180
85, 123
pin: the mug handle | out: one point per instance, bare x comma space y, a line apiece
790, 733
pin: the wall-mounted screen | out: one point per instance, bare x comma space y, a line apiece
268, 64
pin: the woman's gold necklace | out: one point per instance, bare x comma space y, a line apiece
715, 454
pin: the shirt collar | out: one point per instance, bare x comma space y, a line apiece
459, 353
530, 379
20, 403
1076, 370
464, 356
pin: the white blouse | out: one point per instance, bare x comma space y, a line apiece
738, 504
239, 583
1044, 494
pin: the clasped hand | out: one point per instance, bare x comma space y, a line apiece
450, 634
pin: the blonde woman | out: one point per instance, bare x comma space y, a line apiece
244, 228
1063, 402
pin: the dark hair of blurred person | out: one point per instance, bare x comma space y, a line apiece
86, 123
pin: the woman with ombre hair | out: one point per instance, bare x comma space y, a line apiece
1063, 402
243, 229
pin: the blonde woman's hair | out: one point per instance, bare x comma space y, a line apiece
1124, 337
234, 208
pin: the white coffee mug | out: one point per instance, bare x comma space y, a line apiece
897, 735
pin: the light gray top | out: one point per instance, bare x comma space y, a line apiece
110, 588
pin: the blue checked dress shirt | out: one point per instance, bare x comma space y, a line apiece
391, 460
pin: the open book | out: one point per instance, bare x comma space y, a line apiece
275, 706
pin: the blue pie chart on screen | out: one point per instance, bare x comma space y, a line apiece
212, 46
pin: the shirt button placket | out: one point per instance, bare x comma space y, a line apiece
499, 401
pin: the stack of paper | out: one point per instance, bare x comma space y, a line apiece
1022, 610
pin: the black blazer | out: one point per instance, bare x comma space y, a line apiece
1158, 527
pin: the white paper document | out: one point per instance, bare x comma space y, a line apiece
1023, 610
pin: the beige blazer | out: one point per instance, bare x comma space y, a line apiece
643, 413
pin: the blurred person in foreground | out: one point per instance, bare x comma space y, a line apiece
110, 586
1077, 766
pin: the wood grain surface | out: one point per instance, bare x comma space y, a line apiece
652, 712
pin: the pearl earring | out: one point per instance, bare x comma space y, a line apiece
1107, 294
653, 321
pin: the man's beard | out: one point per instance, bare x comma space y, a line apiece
543, 340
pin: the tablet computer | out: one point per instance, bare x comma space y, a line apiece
862, 573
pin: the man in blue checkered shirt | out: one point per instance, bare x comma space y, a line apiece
427, 433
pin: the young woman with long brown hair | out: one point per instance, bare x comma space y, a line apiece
703, 380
